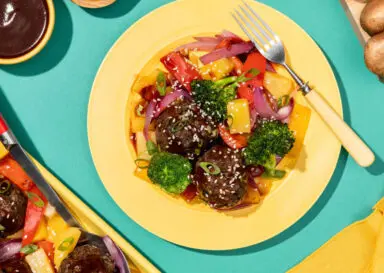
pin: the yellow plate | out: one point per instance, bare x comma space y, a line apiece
91, 222
196, 225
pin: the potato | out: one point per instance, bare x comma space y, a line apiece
372, 17
374, 54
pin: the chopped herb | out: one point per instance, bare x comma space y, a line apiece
28, 249
142, 163
5, 185
35, 199
210, 168
139, 110
161, 83
2, 228
66, 244
283, 101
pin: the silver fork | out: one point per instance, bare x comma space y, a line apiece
271, 47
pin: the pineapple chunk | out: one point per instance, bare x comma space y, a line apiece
144, 81
65, 243
39, 262
3, 151
217, 69
239, 119
56, 226
41, 233
277, 84
194, 57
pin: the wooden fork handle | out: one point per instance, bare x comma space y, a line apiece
360, 152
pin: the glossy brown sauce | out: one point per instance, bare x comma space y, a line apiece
23, 24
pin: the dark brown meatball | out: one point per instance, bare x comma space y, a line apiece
87, 259
13, 204
15, 265
181, 129
223, 186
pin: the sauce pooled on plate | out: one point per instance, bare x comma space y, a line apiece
23, 24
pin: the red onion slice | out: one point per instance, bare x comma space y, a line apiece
9, 249
149, 114
221, 53
168, 99
200, 45
117, 255
207, 39
264, 109
261, 105
284, 112
228, 34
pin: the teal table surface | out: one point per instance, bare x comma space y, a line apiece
45, 101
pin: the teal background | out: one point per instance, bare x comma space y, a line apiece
45, 101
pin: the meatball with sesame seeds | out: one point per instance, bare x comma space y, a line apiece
13, 205
182, 129
14, 265
220, 177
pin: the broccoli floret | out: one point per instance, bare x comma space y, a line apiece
213, 97
170, 172
269, 139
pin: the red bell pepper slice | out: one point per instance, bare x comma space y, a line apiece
48, 249
183, 71
257, 61
10, 169
233, 141
190, 193
35, 211
254, 61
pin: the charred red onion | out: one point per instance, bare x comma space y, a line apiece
9, 249
168, 99
117, 255
221, 53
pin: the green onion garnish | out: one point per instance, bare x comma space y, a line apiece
283, 101
161, 83
35, 199
66, 243
210, 168
2, 228
28, 249
142, 163
139, 110
151, 147
4, 186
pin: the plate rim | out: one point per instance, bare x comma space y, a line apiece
288, 225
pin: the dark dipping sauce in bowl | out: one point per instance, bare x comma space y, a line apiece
23, 24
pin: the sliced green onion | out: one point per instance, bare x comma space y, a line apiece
210, 168
178, 125
161, 83
28, 249
283, 101
243, 78
139, 110
230, 121
253, 71
4, 186
35, 199
2, 228
142, 163
66, 244
151, 147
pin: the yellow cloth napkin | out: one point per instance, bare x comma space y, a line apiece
359, 248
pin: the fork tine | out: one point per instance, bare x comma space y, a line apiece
257, 25
266, 26
258, 43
